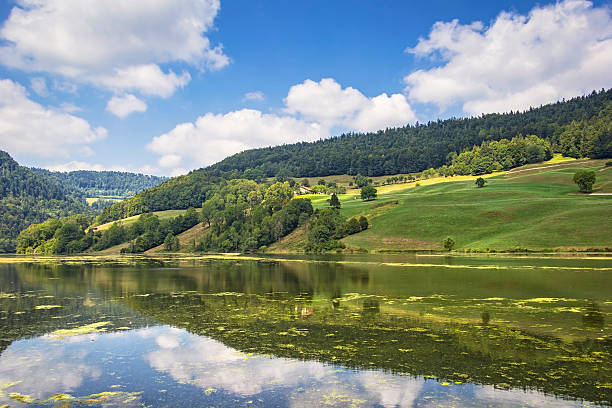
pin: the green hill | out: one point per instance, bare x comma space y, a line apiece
536, 209
27, 198
580, 127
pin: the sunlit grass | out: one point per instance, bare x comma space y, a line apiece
126, 221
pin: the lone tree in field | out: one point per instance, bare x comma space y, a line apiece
333, 201
449, 243
585, 180
368, 192
480, 182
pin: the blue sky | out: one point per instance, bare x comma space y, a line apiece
168, 87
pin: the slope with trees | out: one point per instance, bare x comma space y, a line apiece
415, 148
26, 198
409, 149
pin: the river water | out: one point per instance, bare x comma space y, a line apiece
339, 331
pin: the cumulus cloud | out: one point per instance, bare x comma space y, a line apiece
114, 43
311, 110
125, 104
254, 96
215, 136
326, 102
556, 51
27, 127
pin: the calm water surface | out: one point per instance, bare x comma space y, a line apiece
345, 331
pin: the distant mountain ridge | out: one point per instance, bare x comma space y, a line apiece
94, 183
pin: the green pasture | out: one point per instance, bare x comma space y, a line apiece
538, 209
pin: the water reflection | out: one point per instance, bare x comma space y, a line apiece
180, 366
307, 334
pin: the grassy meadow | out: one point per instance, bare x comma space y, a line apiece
537, 209
126, 221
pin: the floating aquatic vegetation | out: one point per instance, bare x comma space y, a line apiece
87, 329
107, 398
46, 307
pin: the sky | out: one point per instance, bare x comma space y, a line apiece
164, 87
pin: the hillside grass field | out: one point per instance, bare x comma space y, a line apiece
537, 209
163, 215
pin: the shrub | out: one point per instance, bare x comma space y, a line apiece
363, 223
480, 182
448, 243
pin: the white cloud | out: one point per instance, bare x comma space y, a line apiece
329, 104
125, 104
169, 160
254, 96
312, 110
83, 165
148, 79
39, 85
114, 43
215, 136
556, 51
27, 127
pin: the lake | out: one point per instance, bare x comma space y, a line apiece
338, 331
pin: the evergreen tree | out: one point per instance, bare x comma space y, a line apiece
334, 202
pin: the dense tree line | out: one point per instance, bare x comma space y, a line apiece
149, 231
498, 155
102, 183
328, 226
26, 198
412, 149
590, 138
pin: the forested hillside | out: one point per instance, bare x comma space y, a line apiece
186, 191
415, 148
102, 183
27, 198
580, 127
